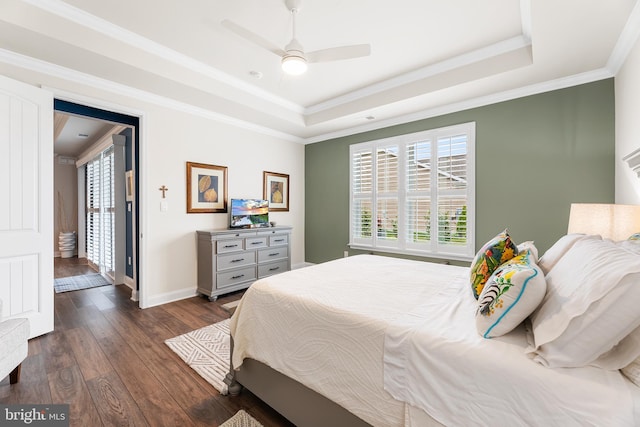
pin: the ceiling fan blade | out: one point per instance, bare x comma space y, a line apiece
252, 37
339, 53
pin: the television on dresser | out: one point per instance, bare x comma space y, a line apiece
249, 213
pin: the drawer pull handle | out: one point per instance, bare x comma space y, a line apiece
237, 277
237, 260
256, 243
274, 254
274, 268
231, 246
278, 240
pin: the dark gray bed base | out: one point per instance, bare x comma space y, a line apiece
299, 404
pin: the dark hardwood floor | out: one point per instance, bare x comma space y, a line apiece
107, 359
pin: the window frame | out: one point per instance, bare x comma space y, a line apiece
378, 242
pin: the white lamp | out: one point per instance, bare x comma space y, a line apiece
615, 222
294, 64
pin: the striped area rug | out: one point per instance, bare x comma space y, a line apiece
75, 283
206, 351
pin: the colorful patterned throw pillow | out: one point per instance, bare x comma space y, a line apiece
495, 252
635, 237
510, 295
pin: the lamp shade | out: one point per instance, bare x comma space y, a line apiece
615, 222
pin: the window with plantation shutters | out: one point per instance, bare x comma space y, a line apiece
414, 193
100, 202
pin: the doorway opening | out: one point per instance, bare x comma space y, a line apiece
96, 183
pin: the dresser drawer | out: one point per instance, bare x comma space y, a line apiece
232, 277
231, 245
237, 259
272, 254
256, 242
279, 240
273, 268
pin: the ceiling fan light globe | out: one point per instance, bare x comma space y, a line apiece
294, 65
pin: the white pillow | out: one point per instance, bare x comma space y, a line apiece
510, 295
591, 305
559, 248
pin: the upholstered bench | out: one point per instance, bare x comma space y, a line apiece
14, 335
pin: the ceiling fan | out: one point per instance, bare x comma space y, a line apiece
294, 58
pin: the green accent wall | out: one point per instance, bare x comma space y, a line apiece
534, 157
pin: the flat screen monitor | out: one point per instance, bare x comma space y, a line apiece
247, 213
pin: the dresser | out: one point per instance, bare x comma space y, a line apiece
230, 260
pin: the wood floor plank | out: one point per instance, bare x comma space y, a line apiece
91, 360
55, 348
66, 312
175, 378
147, 384
161, 411
136, 374
189, 316
114, 403
173, 325
101, 301
95, 321
68, 386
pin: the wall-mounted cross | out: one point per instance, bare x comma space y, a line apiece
164, 190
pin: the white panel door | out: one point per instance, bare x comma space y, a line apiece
26, 204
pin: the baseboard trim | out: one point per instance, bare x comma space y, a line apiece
171, 297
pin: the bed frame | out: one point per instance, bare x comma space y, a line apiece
296, 402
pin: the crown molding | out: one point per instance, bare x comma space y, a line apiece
482, 101
37, 65
627, 40
477, 55
94, 23
67, 74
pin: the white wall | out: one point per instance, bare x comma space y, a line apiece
171, 237
627, 83
169, 139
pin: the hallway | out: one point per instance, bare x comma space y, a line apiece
74, 266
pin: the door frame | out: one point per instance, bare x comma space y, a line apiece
142, 294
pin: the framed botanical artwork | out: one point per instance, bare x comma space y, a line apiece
276, 191
206, 188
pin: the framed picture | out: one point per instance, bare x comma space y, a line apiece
128, 183
276, 191
206, 188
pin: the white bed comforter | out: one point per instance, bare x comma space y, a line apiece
325, 327
435, 360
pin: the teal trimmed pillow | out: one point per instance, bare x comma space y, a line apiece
635, 237
495, 252
510, 295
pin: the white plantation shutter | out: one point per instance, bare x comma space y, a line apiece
362, 195
93, 210
100, 220
423, 201
387, 195
108, 209
452, 191
418, 190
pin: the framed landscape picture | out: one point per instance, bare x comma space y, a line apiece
206, 188
276, 191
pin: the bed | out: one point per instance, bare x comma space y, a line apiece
381, 341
